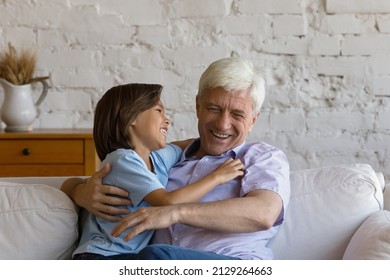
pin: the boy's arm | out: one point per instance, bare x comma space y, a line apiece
227, 171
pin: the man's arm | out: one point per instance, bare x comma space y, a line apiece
100, 200
183, 143
258, 210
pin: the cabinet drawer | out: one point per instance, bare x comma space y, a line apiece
28, 151
21, 170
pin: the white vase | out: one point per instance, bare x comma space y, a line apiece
19, 111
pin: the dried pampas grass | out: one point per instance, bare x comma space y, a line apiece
18, 69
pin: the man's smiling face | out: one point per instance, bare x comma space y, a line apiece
224, 120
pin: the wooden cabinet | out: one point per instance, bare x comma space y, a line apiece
47, 152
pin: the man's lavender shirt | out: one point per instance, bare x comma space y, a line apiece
266, 168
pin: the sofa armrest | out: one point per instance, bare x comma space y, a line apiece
37, 222
372, 239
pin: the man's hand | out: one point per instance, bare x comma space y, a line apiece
146, 219
100, 200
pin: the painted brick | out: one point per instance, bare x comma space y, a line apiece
369, 44
379, 143
357, 6
62, 101
233, 25
342, 66
380, 64
349, 24
328, 144
68, 58
289, 25
325, 45
270, 6
20, 37
196, 56
384, 23
381, 85
287, 46
383, 120
288, 121
134, 12
153, 35
190, 8
82, 78
34, 14
338, 121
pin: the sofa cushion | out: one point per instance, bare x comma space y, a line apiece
37, 222
372, 240
327, 206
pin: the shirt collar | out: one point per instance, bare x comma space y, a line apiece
195, 145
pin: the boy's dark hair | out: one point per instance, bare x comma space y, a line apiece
116, 110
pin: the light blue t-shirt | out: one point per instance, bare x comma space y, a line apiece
129, 172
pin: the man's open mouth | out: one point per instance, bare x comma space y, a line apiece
220, 135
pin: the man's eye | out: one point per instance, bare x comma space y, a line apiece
238, 115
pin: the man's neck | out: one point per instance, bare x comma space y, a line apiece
194, 149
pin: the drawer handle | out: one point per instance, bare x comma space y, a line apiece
26, 151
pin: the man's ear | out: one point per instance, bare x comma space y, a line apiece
197, 102
254, 119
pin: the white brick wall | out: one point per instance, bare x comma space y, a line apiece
326, 64
358, 6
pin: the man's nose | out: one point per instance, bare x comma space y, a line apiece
223, 121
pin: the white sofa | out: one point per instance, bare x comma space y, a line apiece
335, 212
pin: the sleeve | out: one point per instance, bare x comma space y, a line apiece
168, 156
128, 171
268, 169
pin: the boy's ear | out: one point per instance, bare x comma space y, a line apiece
134, 122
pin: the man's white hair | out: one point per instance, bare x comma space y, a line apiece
235, 74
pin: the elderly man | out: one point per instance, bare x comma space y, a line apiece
236, 220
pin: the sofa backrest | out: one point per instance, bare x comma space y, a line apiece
50, 181
327, 206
